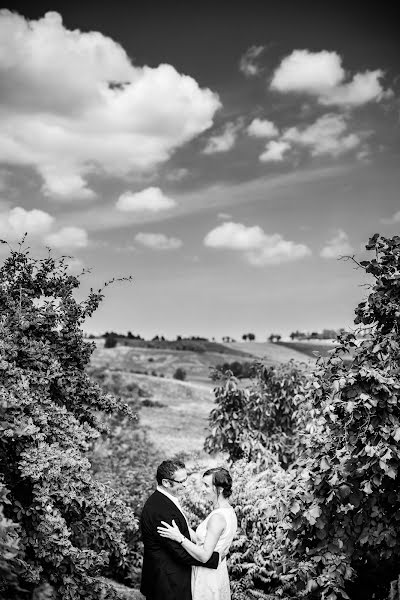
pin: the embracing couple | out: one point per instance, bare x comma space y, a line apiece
180, 563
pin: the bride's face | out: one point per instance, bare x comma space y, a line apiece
209, 490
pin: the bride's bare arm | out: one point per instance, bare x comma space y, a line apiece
215, 526
193, 535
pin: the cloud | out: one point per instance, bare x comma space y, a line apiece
73, 104
158, 241
325, 136
219, 196
177, 174
39, 226
224, 141
235, 236
67, 238
224, 216
274, 151
151, 200
321, 74
259, 248
262, 128
248, 64
64, 184
18, 221
338, 245
394, 219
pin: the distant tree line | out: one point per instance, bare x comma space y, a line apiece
325, 334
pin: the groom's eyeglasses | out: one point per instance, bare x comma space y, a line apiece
176, 481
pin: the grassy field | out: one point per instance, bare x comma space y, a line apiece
155, 361
180, 426
308, 348
272, 353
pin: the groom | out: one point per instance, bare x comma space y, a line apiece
166, 572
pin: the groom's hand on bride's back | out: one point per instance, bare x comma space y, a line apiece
223, 555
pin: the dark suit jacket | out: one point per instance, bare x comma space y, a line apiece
166, 572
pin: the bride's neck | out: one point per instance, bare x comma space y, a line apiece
221, 503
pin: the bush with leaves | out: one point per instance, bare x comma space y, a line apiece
180, 374
347, 521
260, 560
264, 415
126, 460
240, 370
69, 524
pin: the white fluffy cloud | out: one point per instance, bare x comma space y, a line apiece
18, 221
235, 236
328, 135
158, 241
248, 62
151, 200
338, 245
262, 128
224, 141
321, 74
68, 238
259, 248
274, 151
40, 227
73, 104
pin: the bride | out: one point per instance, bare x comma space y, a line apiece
216, 532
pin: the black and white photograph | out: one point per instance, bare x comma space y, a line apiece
199, 300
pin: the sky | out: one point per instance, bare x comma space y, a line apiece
224, 156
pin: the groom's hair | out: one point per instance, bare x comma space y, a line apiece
167, 469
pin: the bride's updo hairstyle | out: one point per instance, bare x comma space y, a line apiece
221, 479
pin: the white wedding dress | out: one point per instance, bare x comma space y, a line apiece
213, 584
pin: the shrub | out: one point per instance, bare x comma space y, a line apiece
240, 370
180, 374
261, 416
347, 520
111, 340
10, 555
260, 560
69, 524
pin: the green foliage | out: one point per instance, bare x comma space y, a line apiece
10, 556
264, 415
328, 525
347, 522
193, 344
69, 524
238, 369
180, 374
125, 460
260, 561
110, 340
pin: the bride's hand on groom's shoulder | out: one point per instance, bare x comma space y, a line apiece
170, 531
